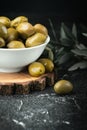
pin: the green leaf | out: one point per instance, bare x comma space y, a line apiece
60, 50
81, 65
67, 42
53, 30
74, 31
84, 34
81, 46
78, 52
62, 33
64, 58
50, 53
68, 32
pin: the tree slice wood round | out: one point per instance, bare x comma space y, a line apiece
23, 83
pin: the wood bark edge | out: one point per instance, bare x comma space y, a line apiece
36, 84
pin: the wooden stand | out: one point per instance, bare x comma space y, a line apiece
23, 83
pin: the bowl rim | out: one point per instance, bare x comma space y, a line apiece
28, 48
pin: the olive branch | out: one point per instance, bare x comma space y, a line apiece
69, 50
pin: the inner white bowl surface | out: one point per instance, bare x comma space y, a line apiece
14, 60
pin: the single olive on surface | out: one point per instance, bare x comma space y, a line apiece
34, 40
63, 87
5, 20
25, 29
2, 42
3, 31
15, 44
41, 29
36, 69
17, 20
49, 65
12, 34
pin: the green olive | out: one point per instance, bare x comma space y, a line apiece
36, 69
2, 42
15, 44
12, 34
17, 20
5, 20
36, 39
25, 29
41, 29
3, 31
49, 65
63, 87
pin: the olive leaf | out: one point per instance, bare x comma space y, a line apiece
58, 55
67, 42
53, 30
68, 32
62, 33
81, 65
84, 34
81, 46
64, 58
68, 51
60, 50
78, 52
50, 53
74, 31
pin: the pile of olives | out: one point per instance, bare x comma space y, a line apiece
40, 67
20, 33
45, 65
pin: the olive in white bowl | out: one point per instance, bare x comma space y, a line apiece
14, 60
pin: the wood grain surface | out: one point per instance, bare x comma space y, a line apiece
23, 83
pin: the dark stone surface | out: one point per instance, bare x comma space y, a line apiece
45, 110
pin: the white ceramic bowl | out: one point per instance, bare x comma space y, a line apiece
14, 60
